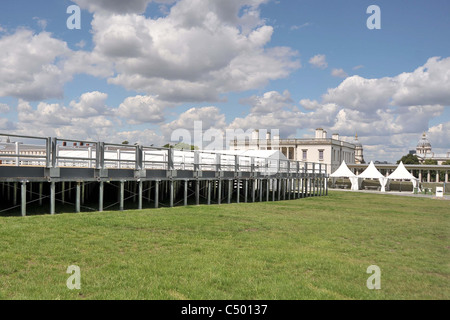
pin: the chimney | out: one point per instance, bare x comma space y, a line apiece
335, 136
268, 135
324, 136
319, 133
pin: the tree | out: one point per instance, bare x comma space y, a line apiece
446, 163
181, 146
409, 159
430, 162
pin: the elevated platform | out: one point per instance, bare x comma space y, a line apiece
49, 169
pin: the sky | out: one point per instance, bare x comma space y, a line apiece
142, 70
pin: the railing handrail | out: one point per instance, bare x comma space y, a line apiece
221, 160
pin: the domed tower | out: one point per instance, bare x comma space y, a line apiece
423, 146
359, 157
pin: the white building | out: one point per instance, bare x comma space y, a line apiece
424, 152
321, 149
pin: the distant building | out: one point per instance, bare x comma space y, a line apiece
321, 149
424, 152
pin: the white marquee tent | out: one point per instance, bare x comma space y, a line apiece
344, 172
372, 172
401, 173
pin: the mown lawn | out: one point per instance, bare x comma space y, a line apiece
315, 248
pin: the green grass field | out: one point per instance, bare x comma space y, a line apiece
315, 248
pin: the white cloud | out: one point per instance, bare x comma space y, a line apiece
438, 136
29, 66
297, 27
142, 109
362, 94
340, 73
42, 23
90, 104
7, 125
319, 61
273, 110
145, 137
117, 6
4, 108
199, 51
427, 85
270, 102
81, 44
210, 118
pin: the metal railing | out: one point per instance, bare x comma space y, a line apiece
55, 152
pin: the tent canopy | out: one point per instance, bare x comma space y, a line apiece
342, 172
401, 173
371, 172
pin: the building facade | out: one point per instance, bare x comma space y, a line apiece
320, 149
424, 152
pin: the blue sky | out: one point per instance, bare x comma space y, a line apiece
139, 70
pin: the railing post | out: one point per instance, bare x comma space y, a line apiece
24, 198
196, 160
139, 154
54, 152
218, 162
48, 151
170, 156
17, 153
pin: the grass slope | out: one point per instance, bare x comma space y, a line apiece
315, 248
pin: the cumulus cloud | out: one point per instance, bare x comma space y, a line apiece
200, 50
273, 110
142, 109
117, 6
340, 73
319, 61
427, 85
362, 94
86, 118
29, 66
4, 108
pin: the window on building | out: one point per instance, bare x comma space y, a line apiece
304, 155
320, 154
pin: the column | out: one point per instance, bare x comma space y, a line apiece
185, 191
100, 196
77, 198
24, 199
140, 196
156, 194
121, 195
52, 197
